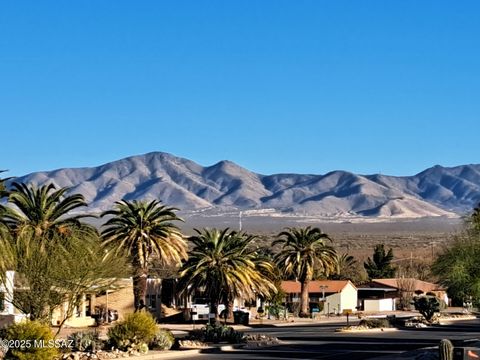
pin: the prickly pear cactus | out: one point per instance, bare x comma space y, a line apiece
445, 350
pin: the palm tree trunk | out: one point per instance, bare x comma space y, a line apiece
139, 289
228, 308
213, 310
304, 299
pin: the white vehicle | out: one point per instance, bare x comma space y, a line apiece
199, 310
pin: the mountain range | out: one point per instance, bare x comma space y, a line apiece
226, 186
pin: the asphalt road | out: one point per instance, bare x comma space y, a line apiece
320, 341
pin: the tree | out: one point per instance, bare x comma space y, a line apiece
347, 268
380, 267
225, 265
427, 305
56, 272
144, 230
42, 211
457, 266
3, 189
303, 252
406, 289
472, 222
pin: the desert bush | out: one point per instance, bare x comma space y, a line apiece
276, 310
218, 333
137, 329
85, 341
428, 306
375, 323
36, 338
163, 340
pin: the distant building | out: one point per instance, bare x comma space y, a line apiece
391, 294
336, 295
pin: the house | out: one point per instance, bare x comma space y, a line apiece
413, 285
337, 296
395, 293
8, 313
373, 297
117, 300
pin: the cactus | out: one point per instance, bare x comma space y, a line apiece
445, 350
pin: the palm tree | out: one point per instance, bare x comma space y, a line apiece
345, 267
303, 252
3, 190
143, 230
225, 266
42, 211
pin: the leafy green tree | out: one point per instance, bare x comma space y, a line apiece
225, 265
457, 266
473, 221
42, 211
144, 230
57, 271
380, 266
303, 252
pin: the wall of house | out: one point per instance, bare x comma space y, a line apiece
120, 300
349, 298
332, 304
336, 303
379, 305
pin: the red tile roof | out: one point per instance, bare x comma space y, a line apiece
332, 286
417, 284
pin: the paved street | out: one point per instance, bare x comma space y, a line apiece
320, 341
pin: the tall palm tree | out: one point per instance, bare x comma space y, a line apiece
303, 252
42, 210
143, 230
225, 265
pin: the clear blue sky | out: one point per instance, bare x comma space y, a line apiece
275, 86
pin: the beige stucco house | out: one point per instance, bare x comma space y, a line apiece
337, 296
119, 298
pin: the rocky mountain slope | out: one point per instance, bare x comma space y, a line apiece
225, 186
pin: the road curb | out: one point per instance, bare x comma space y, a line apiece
170, 354
366, 330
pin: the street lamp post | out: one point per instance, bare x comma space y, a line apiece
323, 287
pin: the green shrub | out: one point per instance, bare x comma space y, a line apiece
221, 333
85, 341
276, 310
163, 340
37, 339
137, 329
375, 323
427, 305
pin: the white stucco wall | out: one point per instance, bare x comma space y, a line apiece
379, 305
332, 303
349, 298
